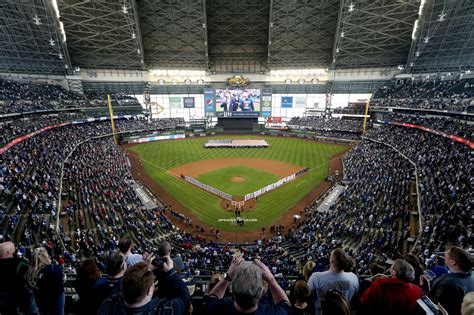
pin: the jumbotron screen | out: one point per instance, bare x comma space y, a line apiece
237, 100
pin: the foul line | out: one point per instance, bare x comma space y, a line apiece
142, 159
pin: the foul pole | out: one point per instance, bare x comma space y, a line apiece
365, 114
111, 113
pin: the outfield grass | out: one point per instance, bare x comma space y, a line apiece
222, 179
158, 157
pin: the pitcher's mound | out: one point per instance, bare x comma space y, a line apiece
237, 179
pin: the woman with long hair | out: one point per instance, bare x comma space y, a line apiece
47, 282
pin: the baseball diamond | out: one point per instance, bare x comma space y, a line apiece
165, 162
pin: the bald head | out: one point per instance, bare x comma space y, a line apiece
7, 249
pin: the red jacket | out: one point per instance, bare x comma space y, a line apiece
390, 296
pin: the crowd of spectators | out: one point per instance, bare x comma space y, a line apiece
450, 125
9, 130
18, 97
445, 174
452, 104
453, 95
427, 89
326, 124
329, 252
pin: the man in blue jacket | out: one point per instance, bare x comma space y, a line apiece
450, 288
137, 293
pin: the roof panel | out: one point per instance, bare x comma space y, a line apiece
30, 41
102, 34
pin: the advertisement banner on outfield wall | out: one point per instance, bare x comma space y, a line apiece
266, 102
286, 101
209, 100
188, 102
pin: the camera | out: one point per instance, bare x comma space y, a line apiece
165, 250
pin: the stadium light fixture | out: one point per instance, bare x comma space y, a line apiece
315, 80
426, 40
351, 7
174, 81
138, 51
124, 9
37, 20
301, 81
161, 81
288, 81
60, 56
200, 81
187, 81
442, 17
342, 34
134, 35
52, 42
417, 53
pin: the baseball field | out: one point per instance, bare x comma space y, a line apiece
236, 171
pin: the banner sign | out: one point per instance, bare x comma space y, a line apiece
436, 132
188, 102
266, 102
287, 101
175, 102
27, 136
209, 102
275, 119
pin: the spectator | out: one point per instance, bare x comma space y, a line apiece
245, 279
87, 276
109, 285
13, 292
449, 289
137, 293
467, 307
333, 279
214, 280
415, 263
334, 303
301, 299
47, 281
394, 295
308, 269
125, 247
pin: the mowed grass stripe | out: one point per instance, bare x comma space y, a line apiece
170, 154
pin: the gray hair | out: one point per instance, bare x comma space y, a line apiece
247, 285
404, 270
